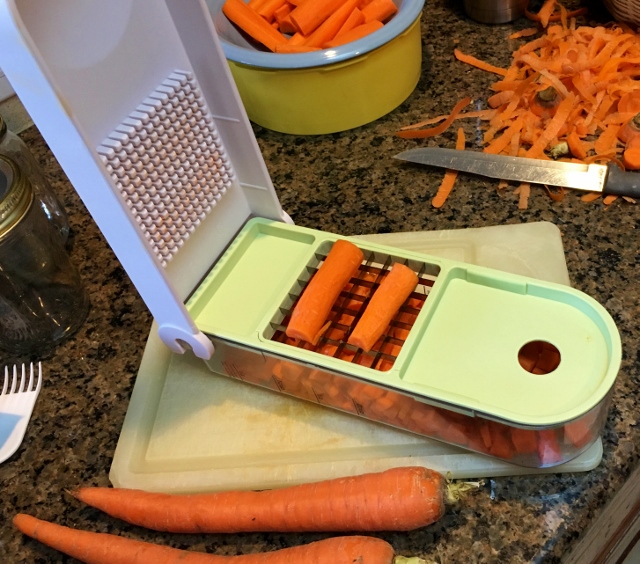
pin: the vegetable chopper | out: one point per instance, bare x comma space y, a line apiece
136, 101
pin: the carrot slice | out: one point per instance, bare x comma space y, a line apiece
383, 306
313, 307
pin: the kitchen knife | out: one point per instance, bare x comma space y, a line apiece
608, 179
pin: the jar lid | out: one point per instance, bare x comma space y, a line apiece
16, 195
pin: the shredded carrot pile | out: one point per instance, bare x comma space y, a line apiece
573, 88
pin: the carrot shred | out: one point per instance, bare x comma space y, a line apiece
596, 74
528, 32
482, 65
432, 132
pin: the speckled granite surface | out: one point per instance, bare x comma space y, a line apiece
344, 183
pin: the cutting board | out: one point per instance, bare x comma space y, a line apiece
189, 430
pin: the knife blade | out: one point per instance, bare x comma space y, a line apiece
607, 179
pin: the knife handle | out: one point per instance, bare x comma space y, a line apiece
621, 183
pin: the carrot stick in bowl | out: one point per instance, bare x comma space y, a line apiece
250, 22
385, 303
357, 32
311, 312
103, 548
309, 15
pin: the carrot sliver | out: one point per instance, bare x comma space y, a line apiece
354, 34
470, 60
104, 548
450, 176
383, 306
312, 309
545, 12
528, 32
309, 15
253, 24
432, 132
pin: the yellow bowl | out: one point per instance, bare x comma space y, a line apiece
326, 98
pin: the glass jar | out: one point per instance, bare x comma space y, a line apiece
42, 299
15, 148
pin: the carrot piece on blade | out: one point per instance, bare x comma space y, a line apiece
399, 499
103, 548
313, 307
383, 306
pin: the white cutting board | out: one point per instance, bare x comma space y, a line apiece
188, 429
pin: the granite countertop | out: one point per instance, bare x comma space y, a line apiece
343, 183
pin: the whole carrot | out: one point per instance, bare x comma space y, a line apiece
399, 499
314, 306
103, 548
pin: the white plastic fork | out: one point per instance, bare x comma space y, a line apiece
16, 406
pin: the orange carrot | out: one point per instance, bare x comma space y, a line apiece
354, 34
330, 27
478, 63
399, 499
308, 16
383, 306
250, 22
576, 146
313, 307
449, 176
438, 129
355, 19
380, 10
104, 548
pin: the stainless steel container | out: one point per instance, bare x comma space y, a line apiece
495, 11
